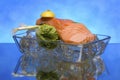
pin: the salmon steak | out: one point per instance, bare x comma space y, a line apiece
69, 31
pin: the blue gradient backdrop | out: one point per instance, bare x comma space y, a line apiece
100, 16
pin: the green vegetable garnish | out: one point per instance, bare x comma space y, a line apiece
47, 36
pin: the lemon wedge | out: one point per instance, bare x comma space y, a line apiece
47, 14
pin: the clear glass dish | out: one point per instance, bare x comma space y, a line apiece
69, 62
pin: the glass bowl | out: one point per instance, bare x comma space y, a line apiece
68, 62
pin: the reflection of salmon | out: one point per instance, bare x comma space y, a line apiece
69, 31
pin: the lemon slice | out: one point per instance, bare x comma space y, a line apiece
47, 14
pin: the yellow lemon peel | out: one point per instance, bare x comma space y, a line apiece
47, 14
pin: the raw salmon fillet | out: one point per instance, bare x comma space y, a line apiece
69, 31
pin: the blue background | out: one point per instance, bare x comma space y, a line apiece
100, 16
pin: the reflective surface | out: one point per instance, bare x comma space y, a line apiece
10, 55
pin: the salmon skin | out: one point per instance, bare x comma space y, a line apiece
69, 31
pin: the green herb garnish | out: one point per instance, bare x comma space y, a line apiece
47, 36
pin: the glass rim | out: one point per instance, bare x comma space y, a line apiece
105, 37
